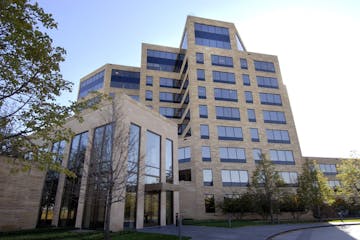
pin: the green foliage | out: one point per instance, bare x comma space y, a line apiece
291, 202
266, 182
314, 191
349, 176
30, 84
238, 205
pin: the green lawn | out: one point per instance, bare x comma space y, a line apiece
66, 234
346, 220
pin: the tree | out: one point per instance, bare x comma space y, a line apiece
349, 176
266, 182
291, 202
314, 190
114, 163
30, 84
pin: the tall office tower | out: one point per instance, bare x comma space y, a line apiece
230, 105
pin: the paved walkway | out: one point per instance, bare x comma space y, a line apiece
247, 233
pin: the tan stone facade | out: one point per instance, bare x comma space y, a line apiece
20, 196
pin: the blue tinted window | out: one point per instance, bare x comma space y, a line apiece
234, 178
201, 92
223, 77
203, 111
93, 83
164, 61
254, 133
200, 74
170, 83
227, 113
277, 136
170, 112
230, 133
170, 97
274, 117
257, 154
184, 154
246, 79
243, 63
225, 94
267, 82
270, 99
212, 36
264, 66
223, 61
200, 58
125, 79
148, 95
205, 153
248, 97
232, 154
149, 80
204, 131
251, 115
282, 157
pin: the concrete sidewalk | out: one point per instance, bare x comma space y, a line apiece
247, 233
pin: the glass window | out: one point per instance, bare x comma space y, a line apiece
204, 131
248, 97
149, 80
205, 153
207, 177
200, 74
184, 154
239, 45
91, 84
270, 99
170, 97
225, 94
257, 154
169, 161
152, 158
254, 133
251, 115
223, 61
277, 136
227, 113
185, 175
274, 117
243, 63
209, 203
234, 178
246, 79
267, 82
212, 36
223, 77
164, 61
170, 83
201, 92
200, 58
203, 111
289, 178
328, 169
230, 133
148, 95
125, 79
282, 157
264, 66
170, 112
334, 183
232, 154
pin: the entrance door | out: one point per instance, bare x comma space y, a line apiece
169, 208
151, 209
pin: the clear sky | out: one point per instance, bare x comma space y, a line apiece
317, 42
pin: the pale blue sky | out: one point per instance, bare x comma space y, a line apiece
317, 42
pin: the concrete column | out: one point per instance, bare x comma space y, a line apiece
117, 216
163, 208
176, 203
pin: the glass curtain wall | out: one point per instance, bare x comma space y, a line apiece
100, 165
50, 187
132, 177
71, 192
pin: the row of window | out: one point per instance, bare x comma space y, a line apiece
236, 178
236, 154
223, 94
228, 77
93, 83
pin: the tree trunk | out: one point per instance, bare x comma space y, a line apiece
107, 215
319, 212
271, 211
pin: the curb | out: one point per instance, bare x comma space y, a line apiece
310, 227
